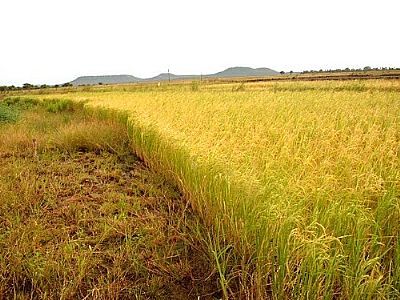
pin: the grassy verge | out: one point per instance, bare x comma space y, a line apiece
82, 217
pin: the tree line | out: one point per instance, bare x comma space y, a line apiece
367, 68
28, 86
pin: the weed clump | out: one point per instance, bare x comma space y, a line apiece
239, 88
11, 107
7, 114
194, 86
61, 105
21, 102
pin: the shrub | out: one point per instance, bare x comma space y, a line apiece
7, 114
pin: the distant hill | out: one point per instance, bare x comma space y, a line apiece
107, 79
230, 72
166, 76
244, 72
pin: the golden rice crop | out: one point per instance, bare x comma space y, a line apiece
299, 181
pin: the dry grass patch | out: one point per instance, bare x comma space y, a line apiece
82, 217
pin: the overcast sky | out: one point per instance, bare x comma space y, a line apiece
45, 41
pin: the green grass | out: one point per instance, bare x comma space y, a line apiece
63, 105
83, 217
7, 115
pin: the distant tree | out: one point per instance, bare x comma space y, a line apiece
28, 86
367, 68
291, 72
282, 72
68, 84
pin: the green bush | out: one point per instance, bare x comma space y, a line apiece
7, 114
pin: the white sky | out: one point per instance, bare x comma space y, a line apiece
45, 41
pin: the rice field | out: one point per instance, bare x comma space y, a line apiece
299, 182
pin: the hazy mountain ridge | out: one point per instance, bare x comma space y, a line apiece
244, 72
230, 72
106, 79
166, 76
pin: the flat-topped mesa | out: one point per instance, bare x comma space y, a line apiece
105, 79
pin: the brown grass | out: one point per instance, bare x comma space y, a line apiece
82, 217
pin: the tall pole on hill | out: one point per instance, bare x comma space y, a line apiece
169, 76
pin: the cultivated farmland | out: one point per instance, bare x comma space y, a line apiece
298, 182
